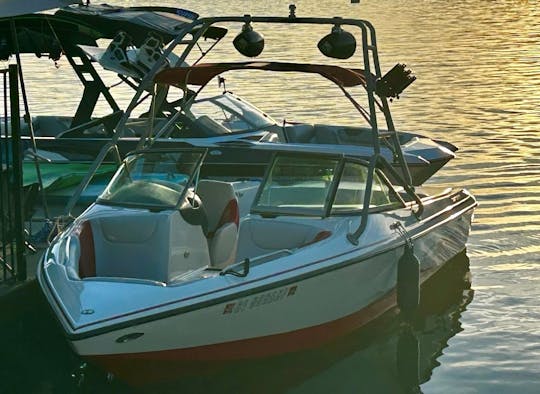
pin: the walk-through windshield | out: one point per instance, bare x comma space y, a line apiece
314, 185
152, 179
220, 115
230, 111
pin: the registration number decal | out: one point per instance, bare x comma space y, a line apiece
259, 300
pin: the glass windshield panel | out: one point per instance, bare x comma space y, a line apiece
155, 179
351, 191
230, 112
297, 184
381, 194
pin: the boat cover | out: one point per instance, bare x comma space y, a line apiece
59, 176
83, 25
201, 74
137, 22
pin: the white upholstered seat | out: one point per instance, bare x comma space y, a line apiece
221, 206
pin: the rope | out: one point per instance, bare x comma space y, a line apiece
403, 233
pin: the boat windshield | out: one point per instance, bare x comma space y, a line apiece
296, 185
152, 179
303, 185
231, 112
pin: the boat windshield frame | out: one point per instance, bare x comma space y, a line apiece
325, 206
147, 186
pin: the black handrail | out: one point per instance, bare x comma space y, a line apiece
12, 231
377, 160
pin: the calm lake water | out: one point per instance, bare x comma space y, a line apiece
478, 69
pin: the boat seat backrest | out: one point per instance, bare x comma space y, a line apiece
134, 246
262, 236
141, 244
215, 196
221, 206
50, 126
140, 126
355, 135
302, 132
325, 135
209, 127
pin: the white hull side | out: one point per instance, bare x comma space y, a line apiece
314, 301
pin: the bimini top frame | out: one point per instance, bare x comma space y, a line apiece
368, 47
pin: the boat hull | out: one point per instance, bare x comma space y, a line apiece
300, 314
144, 368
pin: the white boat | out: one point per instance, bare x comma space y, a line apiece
186, 257
144, 275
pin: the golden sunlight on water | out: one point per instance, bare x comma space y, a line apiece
478, 87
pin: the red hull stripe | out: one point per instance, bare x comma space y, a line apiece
134, 367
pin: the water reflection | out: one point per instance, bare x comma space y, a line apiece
390, 355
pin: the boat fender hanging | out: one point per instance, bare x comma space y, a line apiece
408, 280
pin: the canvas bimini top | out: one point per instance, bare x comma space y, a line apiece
201, 74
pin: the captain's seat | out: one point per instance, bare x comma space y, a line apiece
222, 213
